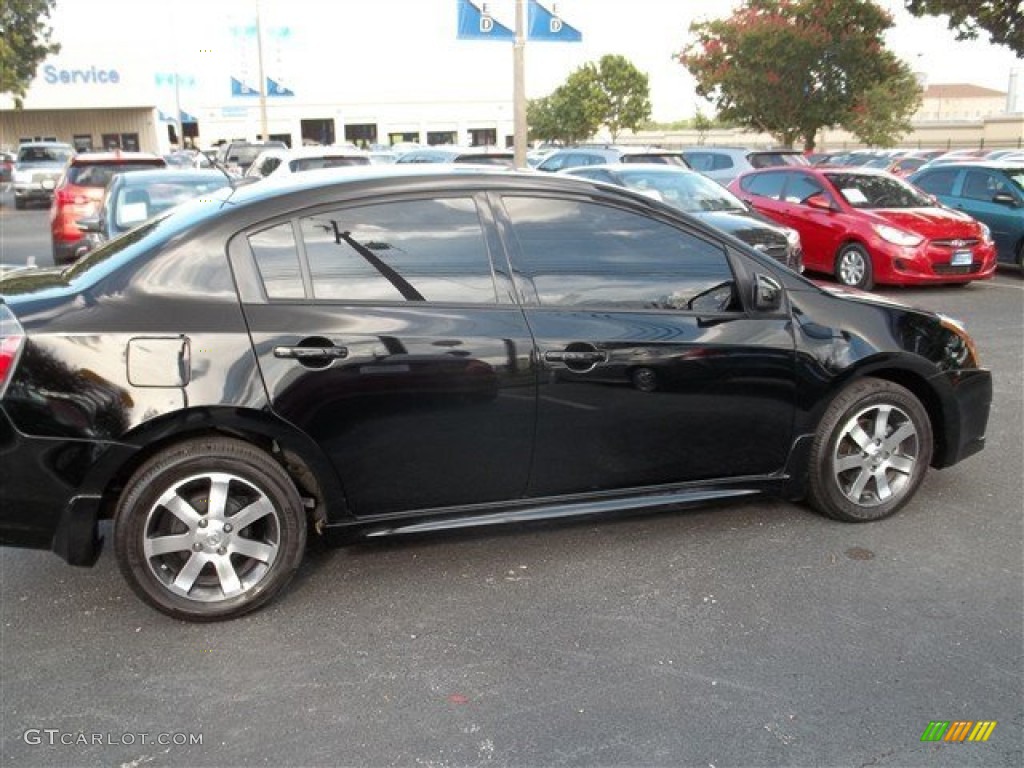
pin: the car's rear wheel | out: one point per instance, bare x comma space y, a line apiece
19, 203
853, 267
209, 529
871, 452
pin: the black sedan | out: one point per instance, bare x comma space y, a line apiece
698, 196
392, 350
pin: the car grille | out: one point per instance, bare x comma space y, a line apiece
960, 244
966, 269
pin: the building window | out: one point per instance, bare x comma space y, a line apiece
483, 137
404, 138
361, 134
82, 142
442, 137
318, 131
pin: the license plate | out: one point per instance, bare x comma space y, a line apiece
962, 259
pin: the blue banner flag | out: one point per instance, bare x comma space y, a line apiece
477, 24
546, 26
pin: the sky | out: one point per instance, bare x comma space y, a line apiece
362, 51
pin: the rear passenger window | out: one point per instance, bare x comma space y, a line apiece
417, 250
938, 182
764, 185
580, 254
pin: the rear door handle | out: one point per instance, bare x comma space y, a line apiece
308, 353
575, 356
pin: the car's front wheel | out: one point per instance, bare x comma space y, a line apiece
209, 529
853, 267
871, 452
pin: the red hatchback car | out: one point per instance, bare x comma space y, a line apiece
868, 227
80, 191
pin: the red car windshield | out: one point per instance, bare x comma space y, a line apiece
863, 191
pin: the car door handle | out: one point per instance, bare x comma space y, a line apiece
308, 353
575, 356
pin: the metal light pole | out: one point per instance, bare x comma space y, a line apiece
264, 135
519, 86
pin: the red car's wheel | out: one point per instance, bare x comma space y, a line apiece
853, 267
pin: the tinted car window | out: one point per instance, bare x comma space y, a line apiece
268, 166
801, 187
417, 250
939, 182
278, 262
100, 174
582, 254
982, 185
764, 185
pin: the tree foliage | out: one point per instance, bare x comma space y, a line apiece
625, 94
1002, 19
24, 44
612, 93
569, 114
792, 67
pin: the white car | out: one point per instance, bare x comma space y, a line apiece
278, 162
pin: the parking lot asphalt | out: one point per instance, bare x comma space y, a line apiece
750, 634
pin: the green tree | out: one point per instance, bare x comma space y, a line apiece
792, 67
24, 44
571, 113
625, 94
1002, 19
612, 93
882, 113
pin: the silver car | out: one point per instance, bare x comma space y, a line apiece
37, 163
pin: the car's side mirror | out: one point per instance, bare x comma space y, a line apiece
820, 202
767, 294
1005, 198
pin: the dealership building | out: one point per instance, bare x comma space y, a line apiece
449, 83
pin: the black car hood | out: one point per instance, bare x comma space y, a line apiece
748, 226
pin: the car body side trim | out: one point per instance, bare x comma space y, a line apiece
553, 508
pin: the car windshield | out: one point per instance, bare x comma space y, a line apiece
1016, 175
43, 155
100, 174
689, 192
864, 191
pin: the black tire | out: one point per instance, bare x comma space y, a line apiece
209, 529
853, 267
871, 452
19, 203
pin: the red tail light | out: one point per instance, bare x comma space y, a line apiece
11, 337
67, 196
